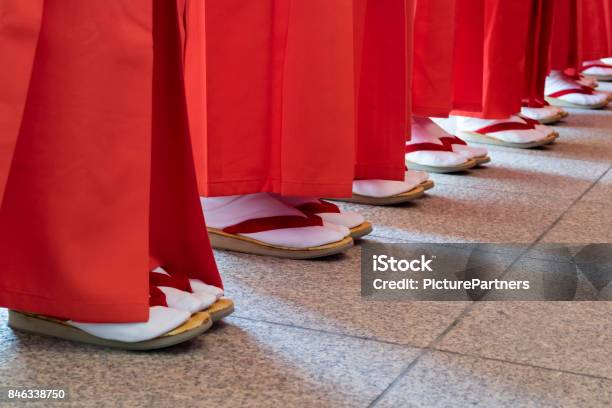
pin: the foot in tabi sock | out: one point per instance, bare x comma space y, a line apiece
416, 176
432, 149
175, 316
511, 132
598, 69
191, 295
200, 287
331, 214
562, 90
178, 292
545, 114
588, 82
261, 224
162, 320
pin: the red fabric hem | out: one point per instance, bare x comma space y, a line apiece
78, 311
485, 115
380, 173
225, 188
431, 111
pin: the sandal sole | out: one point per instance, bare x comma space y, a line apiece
478, 138
396, 199
565, 104
550, 120
237, 243
222, 308
361, 230
427, 185
481, 160
45, 326
442, 170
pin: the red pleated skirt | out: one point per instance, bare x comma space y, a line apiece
489, 58
537, 57
608, 18
96, 168
596, 27
566, 45
433, 50
582, 31
298, 98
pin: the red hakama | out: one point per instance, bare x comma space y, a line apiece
608, 19
566, 45
537, 55
298, 98
490, 57
432, 81
96, 168
582, 31
596, 35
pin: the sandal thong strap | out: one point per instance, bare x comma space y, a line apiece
173, 281
532, 122
585, 90
418, 147
318, 207
274, 223
529, 124
156, 296
451, 140
446, 146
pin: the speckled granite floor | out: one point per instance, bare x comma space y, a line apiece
302, 337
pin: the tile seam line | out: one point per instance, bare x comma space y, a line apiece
428, 350
501, 190
471, 306
549, 154
572, 205
339, 334
493, 149
546, 230
518, 363
432, 346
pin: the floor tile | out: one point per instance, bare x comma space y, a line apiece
584, 222
575, 337
519, 173
449, 380
584, 135
601, 191
242, 363
454, 214
326, 295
